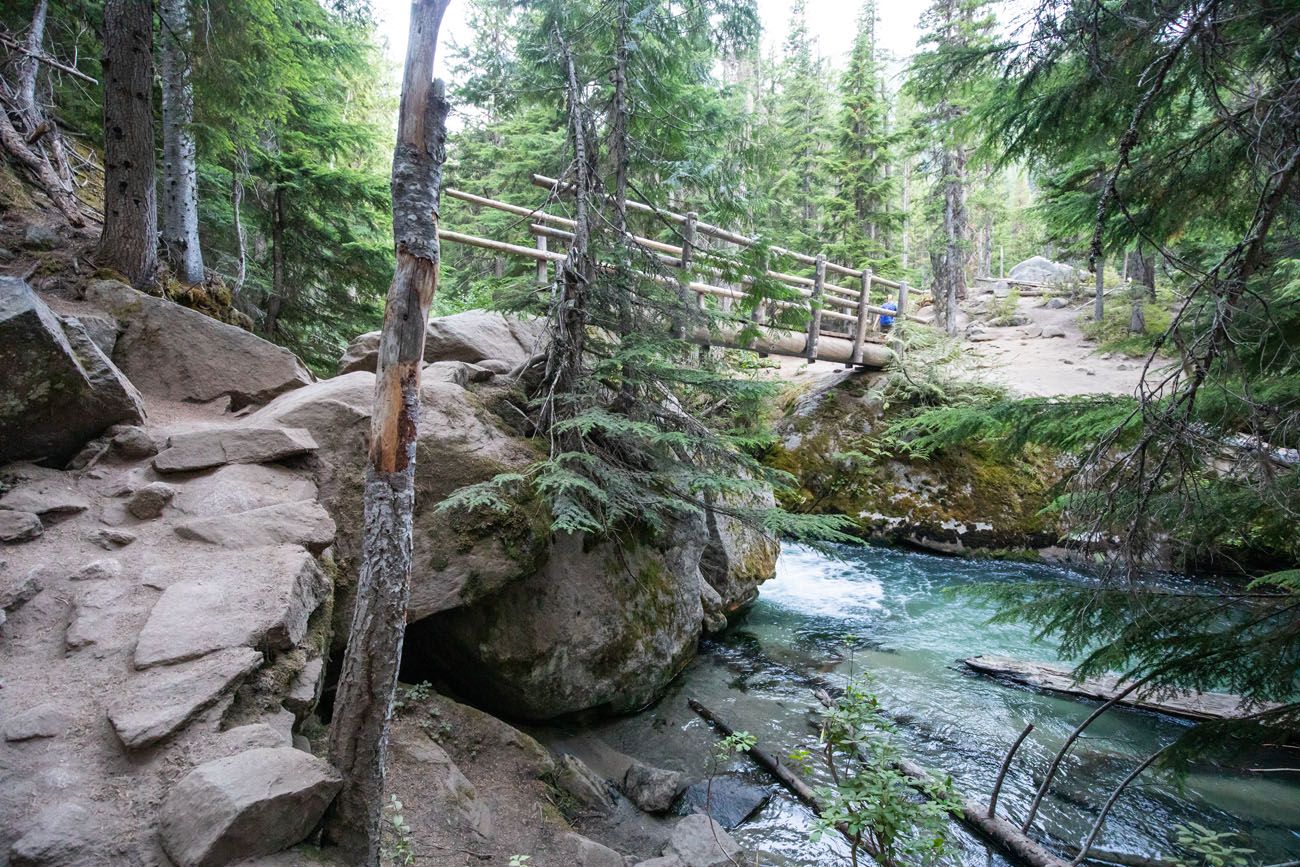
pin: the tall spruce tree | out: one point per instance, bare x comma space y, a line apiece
861, 214
955, 32
806, 132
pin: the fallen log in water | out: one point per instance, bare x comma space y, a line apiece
1000, 832
1056, 678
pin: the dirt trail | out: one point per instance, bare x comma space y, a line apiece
1030, 366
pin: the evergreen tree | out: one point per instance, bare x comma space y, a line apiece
956, 31
806, 131
861, 215
1170, 123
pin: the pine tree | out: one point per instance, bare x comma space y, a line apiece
956, 30
805, 130
861, 214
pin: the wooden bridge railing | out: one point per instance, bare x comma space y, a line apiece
857, 342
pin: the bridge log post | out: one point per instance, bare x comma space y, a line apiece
542, 278
684, 278
864, 298
815, 303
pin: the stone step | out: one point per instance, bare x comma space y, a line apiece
215, 447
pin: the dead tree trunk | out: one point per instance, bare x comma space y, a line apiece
129, 242
358, 735
180, 211
948, 260
29, 63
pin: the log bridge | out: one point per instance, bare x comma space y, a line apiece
843, 320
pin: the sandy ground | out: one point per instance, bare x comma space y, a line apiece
1028, 366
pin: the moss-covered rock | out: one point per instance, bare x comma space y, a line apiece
530, 623
834, 442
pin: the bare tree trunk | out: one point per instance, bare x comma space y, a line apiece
241, 249
29, 65
129, 242
358, 736
180, 205
949, 260
1099, 299
276, 301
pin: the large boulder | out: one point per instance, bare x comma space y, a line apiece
471, 336
181, 354
739, 555
255, 803
457, 558
601, 625
57, 389
548, 625
1040, 269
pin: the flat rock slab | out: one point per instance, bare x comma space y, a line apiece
1059, 678
160, 701
201, 450
58, 835
698, 841
241, 488
45, 497
43, 721
182, 354
303, 523
255, 803
96, 613
59, 389
261, 597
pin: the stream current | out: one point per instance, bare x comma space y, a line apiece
888, 613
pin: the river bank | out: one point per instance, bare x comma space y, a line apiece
900, 617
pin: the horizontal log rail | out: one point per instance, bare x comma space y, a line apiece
854, 336
718, 232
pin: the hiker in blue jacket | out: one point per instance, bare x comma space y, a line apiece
887, 322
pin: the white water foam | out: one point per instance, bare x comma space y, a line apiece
808, 582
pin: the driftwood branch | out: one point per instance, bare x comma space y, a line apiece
1002, 771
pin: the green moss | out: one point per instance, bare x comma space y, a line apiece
844, 463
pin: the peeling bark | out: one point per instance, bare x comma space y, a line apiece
358, 735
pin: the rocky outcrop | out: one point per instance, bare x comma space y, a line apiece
57, 389
957, 501
526, 622
457, 558
254, 803
1040, 269
177, 353
472, 336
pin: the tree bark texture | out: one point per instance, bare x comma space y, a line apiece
180, 204
950, 259
28, 63
358, 737
129, 242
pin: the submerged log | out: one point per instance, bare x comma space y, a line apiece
1059, 679
997, 831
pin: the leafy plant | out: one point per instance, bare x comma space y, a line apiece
1209, 848
873, 801
399, 847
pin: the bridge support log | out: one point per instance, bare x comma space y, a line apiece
794, 344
